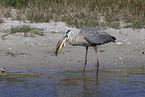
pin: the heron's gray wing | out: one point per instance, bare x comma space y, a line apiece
89, 29
98, 38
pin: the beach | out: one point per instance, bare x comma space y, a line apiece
38, 53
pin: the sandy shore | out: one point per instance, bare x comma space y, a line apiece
37, 53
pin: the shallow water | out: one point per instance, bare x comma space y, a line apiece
112, 82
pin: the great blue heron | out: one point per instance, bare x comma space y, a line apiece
88, 37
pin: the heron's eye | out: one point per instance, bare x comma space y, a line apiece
67, 31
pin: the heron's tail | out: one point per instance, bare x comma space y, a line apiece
113, 39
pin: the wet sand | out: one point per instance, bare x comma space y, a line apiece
37, 53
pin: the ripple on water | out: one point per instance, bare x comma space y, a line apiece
125, 81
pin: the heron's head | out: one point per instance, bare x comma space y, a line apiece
61, 43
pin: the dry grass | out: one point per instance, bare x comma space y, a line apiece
5, 12
80, 13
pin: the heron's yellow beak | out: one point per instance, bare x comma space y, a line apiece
60, 45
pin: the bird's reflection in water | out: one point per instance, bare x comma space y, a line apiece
82, 84
86, 87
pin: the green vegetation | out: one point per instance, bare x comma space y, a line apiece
79, 13
14, 3
26, 30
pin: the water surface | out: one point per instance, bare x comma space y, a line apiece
127, 81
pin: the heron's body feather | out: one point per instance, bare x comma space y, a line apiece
90, 36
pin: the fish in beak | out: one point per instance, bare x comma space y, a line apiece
61, 44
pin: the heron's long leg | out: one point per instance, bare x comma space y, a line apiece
96, 48
85, 60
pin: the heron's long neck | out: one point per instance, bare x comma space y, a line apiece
72, 39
